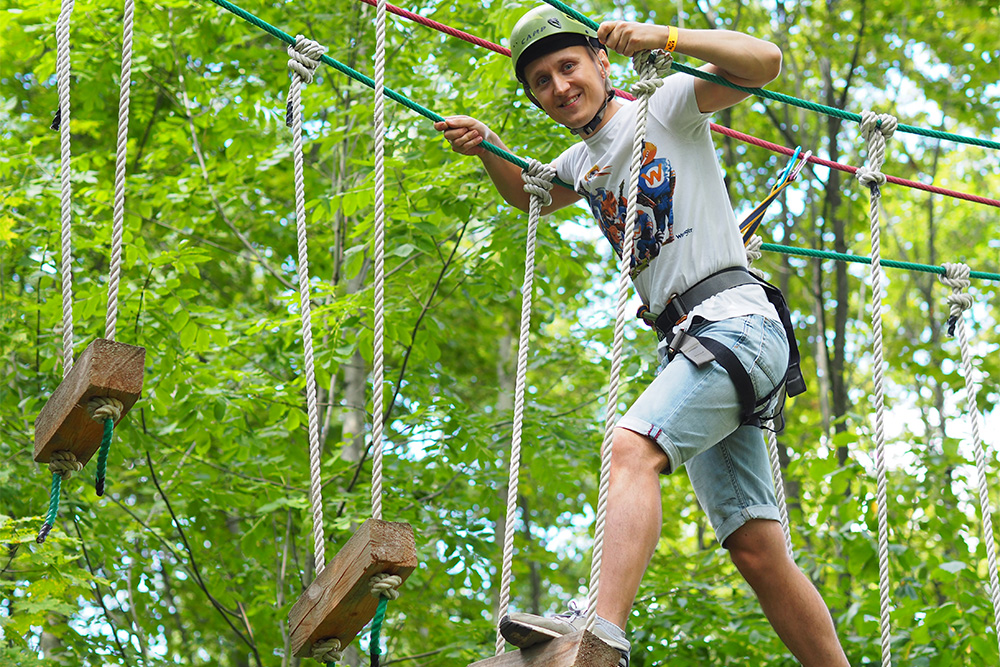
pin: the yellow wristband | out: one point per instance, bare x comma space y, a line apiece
671, 38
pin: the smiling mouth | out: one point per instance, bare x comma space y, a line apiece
570, 102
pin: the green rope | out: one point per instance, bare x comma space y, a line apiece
50, 520
358, 76
374, 647
858, 259
787, 99
102, 455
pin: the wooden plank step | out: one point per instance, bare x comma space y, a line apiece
339, 602
105, 368
580, 649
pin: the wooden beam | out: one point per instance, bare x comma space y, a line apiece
339, 602
105, 368
580, 649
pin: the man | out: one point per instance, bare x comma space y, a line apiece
693, 414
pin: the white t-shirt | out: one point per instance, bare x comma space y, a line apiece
685, 226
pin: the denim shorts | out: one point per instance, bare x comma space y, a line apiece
693, 414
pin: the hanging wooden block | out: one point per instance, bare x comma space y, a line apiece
105, 368
580, 649
339, 602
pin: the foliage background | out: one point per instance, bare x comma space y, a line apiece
202, 543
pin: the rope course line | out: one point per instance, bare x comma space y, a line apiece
378, 361
860, 259
121, 161
537, 183
753, 254
876, 130
61, 123
651, 67
303, 61
957, 278
787, 99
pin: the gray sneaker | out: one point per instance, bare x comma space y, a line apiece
524, 630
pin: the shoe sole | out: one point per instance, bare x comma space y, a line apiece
525, 636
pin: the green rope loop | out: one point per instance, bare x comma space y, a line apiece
788, 99
374, 648
102, 456
50, 520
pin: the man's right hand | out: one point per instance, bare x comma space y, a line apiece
465, 134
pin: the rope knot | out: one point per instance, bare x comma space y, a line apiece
537, 179
386, 585
651, 66
64, 463
956, 276
304, 60
875, 129
104, 407
753, 250
327, 650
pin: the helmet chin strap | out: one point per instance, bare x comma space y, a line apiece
596, 120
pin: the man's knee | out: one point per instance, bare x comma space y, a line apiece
758, 549
636, 453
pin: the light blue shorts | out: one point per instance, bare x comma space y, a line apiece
693, 414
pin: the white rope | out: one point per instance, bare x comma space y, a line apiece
876, 129
386, 585
753, 251
305, 55
121, 160
957, 277
379, 252
537, 183
64, 463
66, 202
651, 68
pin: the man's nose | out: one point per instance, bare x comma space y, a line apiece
560, 84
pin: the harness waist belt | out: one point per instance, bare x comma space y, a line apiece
680, 305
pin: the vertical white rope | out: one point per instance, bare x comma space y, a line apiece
121, 159
379, 252
876, 129
305, 55
651, 67
957, 277
537, 183
61, 123
753, 253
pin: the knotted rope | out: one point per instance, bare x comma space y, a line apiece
62, 464
304, 59
121, 160
538, 184
753, 254
327, 650
61, 123
378, 359
957, 278
651, 67
876, 129
384, 587
108, 411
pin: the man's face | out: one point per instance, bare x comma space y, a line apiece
569, 84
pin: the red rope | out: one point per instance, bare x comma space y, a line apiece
443, 28
849, 169
472, 39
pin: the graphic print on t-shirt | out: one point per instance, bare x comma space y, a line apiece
654, 223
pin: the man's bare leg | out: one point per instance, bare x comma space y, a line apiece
633, 522
791, 603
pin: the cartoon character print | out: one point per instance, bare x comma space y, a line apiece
657, 180
656, 186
